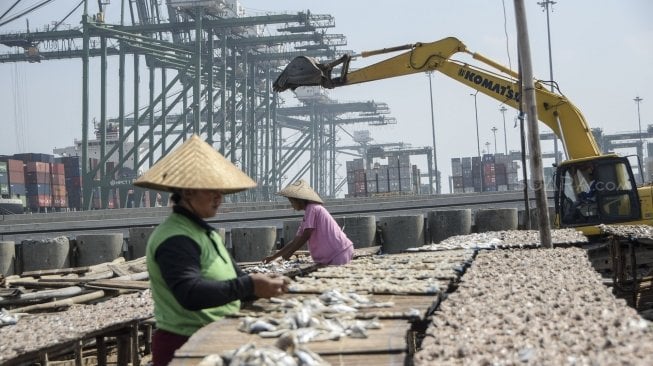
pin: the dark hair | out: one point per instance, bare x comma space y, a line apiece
176, 196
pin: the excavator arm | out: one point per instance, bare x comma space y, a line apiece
502, 84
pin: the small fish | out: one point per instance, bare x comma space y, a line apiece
212, 360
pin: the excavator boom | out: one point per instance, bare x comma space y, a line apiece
554, 110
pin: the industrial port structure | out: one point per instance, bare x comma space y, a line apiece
209, 70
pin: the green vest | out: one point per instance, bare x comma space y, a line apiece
169, 314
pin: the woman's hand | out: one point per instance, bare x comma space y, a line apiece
268, 286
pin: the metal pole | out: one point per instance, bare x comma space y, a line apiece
537, 173
197, 60
640, 151
545, 4
494, 131
478, 141
435, 159
503, 110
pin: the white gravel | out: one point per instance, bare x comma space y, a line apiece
535, 307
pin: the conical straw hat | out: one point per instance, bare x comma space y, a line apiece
300, 189
195, 165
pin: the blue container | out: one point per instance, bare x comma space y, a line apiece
38, 189
17, 189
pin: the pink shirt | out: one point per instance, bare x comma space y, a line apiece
328, 244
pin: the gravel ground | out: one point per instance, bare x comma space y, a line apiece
535, 307
628, 231
33, 332
504, 239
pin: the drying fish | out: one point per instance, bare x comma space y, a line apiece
277, 266
254, 325
505, 239
7, 318
211, 360
250, 354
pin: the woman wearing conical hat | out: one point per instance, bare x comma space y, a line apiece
193, 278
327, 243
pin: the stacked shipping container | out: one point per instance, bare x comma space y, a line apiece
73, 181
398, 177
46, 183
356, 180
490, 173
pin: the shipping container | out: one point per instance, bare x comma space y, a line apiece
356, 164
73, 182
72, 166
500, 173
34, 157
489, 158
75, 200
42, 178
466, 162
59, 201
37, 189
39, 201
16, 189
458, 182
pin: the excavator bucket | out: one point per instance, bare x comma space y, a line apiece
301, 71
306, 71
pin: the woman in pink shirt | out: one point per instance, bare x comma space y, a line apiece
327, 243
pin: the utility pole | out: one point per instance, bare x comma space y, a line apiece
537, 174
503, 110
478, 141
640, 152
435, 155
546, 4
494, 131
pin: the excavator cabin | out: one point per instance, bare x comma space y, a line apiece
597, 190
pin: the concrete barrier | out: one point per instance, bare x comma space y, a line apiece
496, 219
7, 258
254, 243
361, 230
97, 248
51, 253
138, 237
535, 223
446, 223
401, 232
290, 230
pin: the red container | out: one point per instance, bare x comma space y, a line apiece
39, 201
37, 166
41, 178
59, 190
57, 168
59, 200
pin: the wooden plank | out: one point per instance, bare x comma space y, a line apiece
119, 284
222, 336
385, 359
404, 305
380, 359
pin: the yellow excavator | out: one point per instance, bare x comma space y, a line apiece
591, 188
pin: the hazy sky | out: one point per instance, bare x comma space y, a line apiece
602, 55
